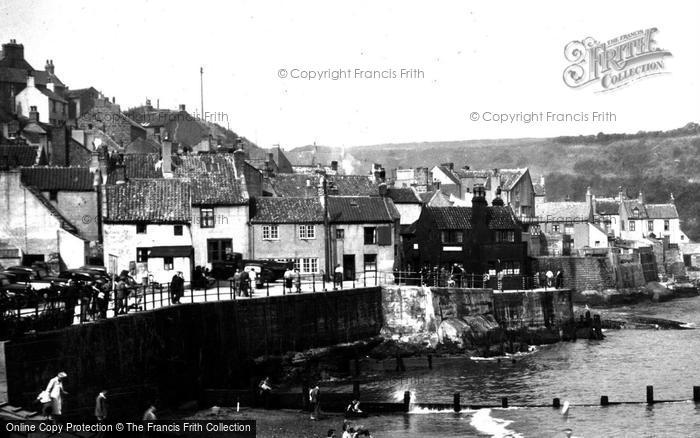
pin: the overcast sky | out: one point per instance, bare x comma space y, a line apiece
502, 57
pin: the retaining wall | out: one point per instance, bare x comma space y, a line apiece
171, 353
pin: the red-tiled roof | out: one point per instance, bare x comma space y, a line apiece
213, 178
361, 209
136, 166
563, 211
47, 178
149, 200
460, 218
268, 210
143, 146
295, 185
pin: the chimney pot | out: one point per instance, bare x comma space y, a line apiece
182, 107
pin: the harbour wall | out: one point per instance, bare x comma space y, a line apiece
170, 354
414, 312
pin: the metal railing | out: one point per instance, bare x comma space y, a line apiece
55, 310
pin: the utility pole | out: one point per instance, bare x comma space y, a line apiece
201, 90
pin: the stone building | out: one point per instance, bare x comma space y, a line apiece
147, 228
33, 229
364, 234
71, 191
289, 230
640, 220
484, 239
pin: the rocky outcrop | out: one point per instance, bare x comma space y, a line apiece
468, 330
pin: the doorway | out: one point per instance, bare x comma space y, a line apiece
349, 266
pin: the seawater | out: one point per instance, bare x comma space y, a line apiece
621, 366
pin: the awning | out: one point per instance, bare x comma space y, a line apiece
170, 251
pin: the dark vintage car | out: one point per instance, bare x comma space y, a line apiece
37, 277
267, 271
83, 275
14, 293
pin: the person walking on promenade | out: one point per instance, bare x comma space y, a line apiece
244, 283
297, 280
55, 393
314, 399
119, 296
288, 278
558, 280
85, 296
252, 281
550, 278
101, 406
177, 287
103, 296
237, 282
70, 298
338, 276
500, 276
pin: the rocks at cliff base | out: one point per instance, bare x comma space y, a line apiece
464, 331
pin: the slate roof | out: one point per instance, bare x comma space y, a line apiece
213, 178
51, 95
607, 207
269, 210
460, 218
649, 211
403, 196
361, 209
49, 178
661, 211
563, 211
18, 155
149, 200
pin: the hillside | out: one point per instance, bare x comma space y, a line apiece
659, 163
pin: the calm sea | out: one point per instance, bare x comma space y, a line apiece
621, 366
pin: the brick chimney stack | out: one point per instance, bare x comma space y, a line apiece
49, 67
13, 54
30, 79
33, 114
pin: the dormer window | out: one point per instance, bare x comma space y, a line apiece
635, 212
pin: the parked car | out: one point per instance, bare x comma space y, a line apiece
16, 292
83, 276
38, 278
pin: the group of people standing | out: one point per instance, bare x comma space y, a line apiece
94, 297
547, 279
51, 400
244, 282
292, 278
